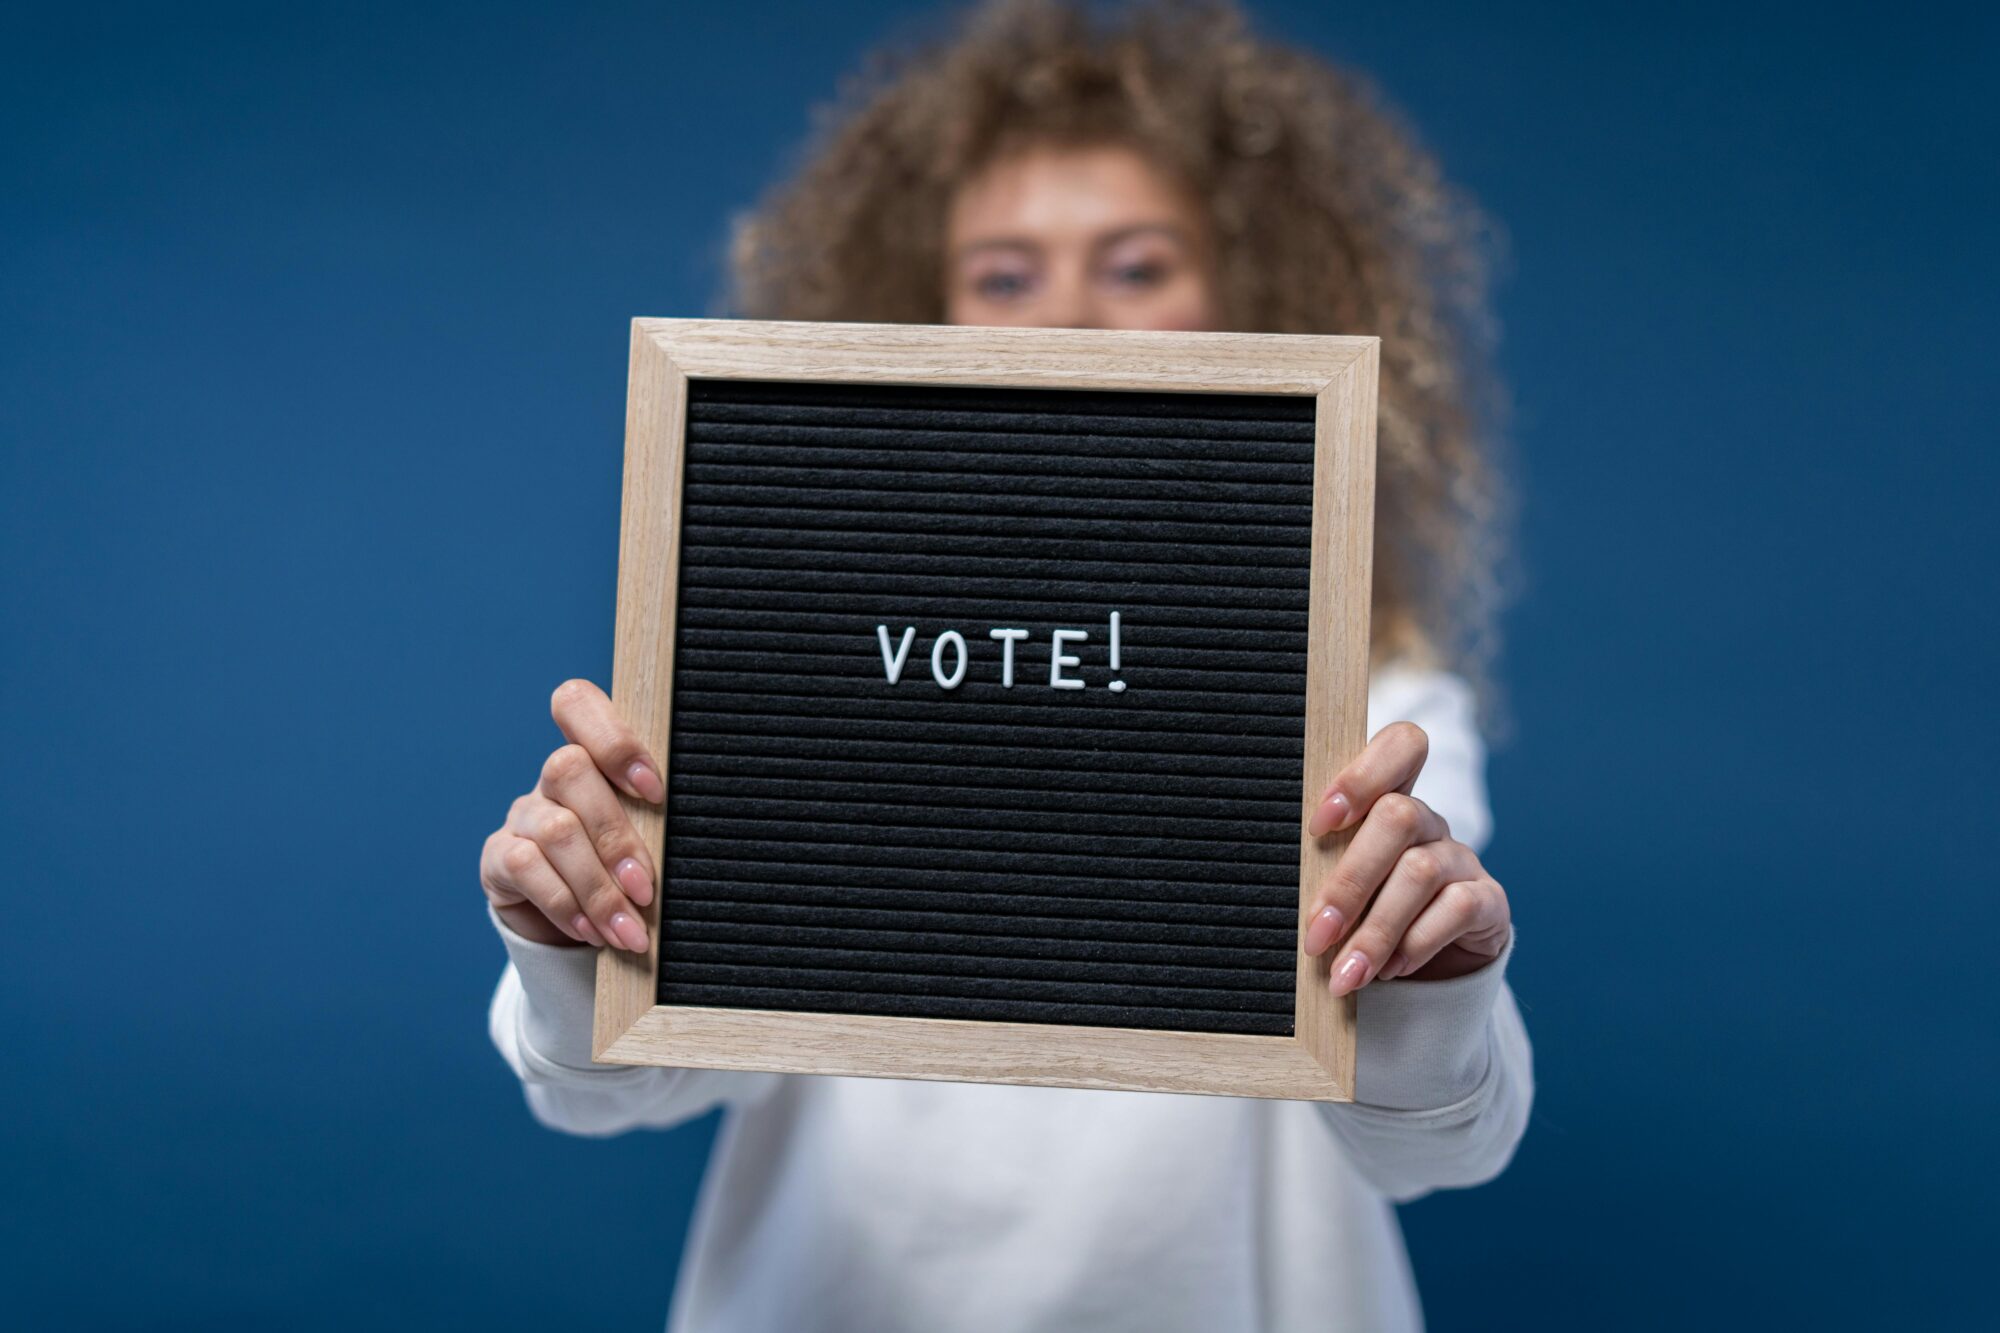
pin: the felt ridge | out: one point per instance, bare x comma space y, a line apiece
1071, 1013
1137, 543
946, 944
757, 787
957, 974
1011, 402
1239, 884
741, 889
1129, 745
722, 498
762, 753
719, 910
1132, 533
935, 815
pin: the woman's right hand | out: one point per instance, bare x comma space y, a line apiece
567, 866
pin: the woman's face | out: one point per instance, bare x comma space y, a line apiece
1076, 238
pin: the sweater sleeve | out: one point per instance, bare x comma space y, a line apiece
540, 1020
1444, 1075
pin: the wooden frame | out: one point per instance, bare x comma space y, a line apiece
1317, 1062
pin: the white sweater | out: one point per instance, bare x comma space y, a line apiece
879, 1205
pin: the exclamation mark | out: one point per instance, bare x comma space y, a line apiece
1117, 686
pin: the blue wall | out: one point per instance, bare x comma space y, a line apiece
312, 344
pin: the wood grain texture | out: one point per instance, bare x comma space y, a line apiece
642, 670
1317, 1063
1019, 358
1336, 675
1043, 1054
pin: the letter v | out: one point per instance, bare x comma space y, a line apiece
892, 665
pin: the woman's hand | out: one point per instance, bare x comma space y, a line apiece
1407, 898
567, 866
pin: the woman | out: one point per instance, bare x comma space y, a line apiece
1169, 171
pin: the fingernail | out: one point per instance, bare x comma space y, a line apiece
1394, 967
583, 926
629, 932
646, 782
632, 877
1332, 814
1352, 972
1324, 930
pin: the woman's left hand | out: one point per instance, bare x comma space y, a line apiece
1407, 898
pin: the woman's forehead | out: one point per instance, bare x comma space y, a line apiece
1052, 192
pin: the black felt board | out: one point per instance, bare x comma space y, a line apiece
839, 844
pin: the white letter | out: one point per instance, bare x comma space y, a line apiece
1116, 686
892, 667
1008, 638
1057, 661
957, 640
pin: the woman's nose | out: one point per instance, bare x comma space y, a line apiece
1069, 304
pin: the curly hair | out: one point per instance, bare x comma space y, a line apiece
1329, 216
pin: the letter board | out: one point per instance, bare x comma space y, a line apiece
994, 673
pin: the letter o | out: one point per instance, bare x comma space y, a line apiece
956, 640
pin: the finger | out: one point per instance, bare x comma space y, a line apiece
513, 870
561, 836
1420, 874
572, 780
1390, 763
588, 718
1395, 824
1469, 911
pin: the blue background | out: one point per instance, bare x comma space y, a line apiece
312, 346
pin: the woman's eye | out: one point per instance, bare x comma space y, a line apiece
1149, 273
1001, 286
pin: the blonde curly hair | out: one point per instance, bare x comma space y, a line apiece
1329, 217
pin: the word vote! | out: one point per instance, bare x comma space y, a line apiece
894, 658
